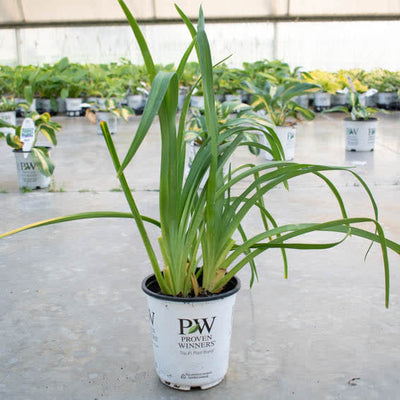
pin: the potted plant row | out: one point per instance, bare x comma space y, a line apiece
203, 241
50, 81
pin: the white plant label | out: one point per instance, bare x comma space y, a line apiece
27, 136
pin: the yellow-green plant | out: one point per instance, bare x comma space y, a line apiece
325, 80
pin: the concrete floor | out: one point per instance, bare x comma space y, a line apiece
73, 319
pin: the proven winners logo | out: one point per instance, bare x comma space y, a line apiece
196, 335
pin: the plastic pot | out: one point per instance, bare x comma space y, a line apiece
111, 120
287, 137
73, 106
322, 101
360, 134
29, 176
191, 336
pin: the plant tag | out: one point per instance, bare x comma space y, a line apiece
27, 134
370, 92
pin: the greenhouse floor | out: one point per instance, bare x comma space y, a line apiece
73, 319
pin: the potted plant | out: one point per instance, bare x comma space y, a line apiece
387, 84
277, 102
229, 114
340, 98
202, 240
328, 87
74, 77
228, 83
34, 166
360, 125
8, 113
108, 111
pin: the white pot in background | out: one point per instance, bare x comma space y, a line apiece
339, 99
371, 101
92, 100
9, 117
183, 91
386, 99
287, 137
73, 107
61, 106
111, 120
233, 97
28, 174
191, 337
302, 101
360, 134
136, 102
43, 105
322, 101
197, 101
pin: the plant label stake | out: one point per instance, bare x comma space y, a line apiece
27, 135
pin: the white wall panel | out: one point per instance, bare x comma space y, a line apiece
335, 45
222, 8
9, 11
83, 10
327, 45
8, 46
344, 7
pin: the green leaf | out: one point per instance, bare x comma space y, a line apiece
156, 97
193, 329
42, 160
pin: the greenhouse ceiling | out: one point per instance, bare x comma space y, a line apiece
21, 13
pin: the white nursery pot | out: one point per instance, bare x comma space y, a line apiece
9, 117
322, 101
197, 101
233, 97
287, 137
43, 105
73, 107
29, 176
111, 120
183, 91
339, 99
360, 134
136, 101
303, 100
61, 105
191, 336
386, 99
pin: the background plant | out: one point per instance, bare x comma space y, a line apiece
40, 154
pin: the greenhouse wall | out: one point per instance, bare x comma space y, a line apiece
311, 33
326, 45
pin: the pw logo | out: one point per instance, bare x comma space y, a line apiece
26, 166
352, 131
189, 326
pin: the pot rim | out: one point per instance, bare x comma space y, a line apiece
30, 151
231, 288
361, 120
